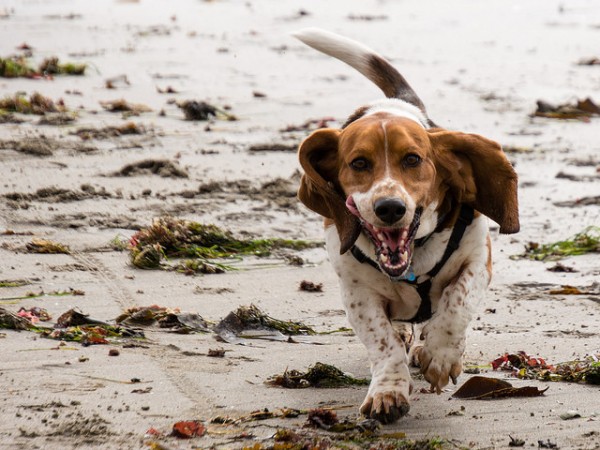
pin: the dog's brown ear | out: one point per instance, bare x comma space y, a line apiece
319, 188
478, 173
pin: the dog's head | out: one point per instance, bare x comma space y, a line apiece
392, 178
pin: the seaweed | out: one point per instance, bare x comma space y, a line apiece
586, 241
109, 131
15, 67
13, 283
252, 318
182, 323
46, 246
168, 237
52, 66
160, 167
583, 370
11, 321
36, 104
198, 110
319, 375
582, 110
121, 105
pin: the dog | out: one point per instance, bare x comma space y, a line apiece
405, 206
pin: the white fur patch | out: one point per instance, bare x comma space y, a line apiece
397, 107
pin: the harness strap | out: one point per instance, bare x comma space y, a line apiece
465, 218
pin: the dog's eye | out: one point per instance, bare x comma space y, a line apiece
411, 160
360, 164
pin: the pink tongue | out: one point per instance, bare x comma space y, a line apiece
392, 239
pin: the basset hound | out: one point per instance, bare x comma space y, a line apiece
405, 204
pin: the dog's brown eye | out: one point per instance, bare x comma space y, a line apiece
360, 164
411, 160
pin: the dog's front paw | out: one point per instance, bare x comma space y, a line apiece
439, 367
386, 407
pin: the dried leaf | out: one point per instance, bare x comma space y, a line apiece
484, 388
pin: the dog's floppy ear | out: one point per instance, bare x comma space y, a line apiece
319, 188
478, 173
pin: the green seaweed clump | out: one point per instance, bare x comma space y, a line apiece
586, 241
15, 67
168, 237
320, 376
52, 66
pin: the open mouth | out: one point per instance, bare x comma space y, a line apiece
393, 246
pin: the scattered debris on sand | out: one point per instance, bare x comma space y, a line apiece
15, 67
14, 283
188, 429
52, 66
37, 146
176, 238
53, 194
57, 119
566, 289
309, 286
579, 178
273, 147
36, 104
589, 62
558, 267
199, 110
485, 388
160, 167
34, 314
582, 201
47, 246
242, 322
515, 150
173, 319
11, 321
109, 131
582, 110
367, 17
586, 241
584, 370
123, 106
309, 125
319, 376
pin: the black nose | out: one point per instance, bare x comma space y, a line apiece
390, 210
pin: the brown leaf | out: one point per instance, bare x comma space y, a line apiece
567, 290
484, 388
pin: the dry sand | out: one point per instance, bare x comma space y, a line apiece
479, 67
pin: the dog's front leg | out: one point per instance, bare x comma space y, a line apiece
440, 358
387, 398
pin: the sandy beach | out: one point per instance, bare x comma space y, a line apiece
91, 180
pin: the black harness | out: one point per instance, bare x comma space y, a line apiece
424, 312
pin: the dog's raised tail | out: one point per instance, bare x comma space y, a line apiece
366, 61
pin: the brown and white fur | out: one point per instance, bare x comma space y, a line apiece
391, 176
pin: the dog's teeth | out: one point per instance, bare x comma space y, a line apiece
384, 259
380, 236
404, 256
404, 235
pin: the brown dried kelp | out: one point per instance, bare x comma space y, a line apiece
320, 376
168, 237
